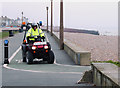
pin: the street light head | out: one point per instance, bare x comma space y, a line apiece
47, 8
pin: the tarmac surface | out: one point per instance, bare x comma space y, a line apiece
63, 72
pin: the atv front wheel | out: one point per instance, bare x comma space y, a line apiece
51, 57
29, 58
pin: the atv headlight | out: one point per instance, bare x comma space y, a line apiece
24, 28
33, 47
45, 47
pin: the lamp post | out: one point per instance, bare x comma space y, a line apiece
51, 17
47, 19
61, 26
22, 17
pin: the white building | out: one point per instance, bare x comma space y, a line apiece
5, 21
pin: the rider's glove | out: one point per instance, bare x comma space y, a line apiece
43, 37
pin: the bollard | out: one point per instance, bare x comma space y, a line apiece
10, 33
6, 61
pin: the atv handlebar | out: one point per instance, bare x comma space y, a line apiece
30, 37
37, 37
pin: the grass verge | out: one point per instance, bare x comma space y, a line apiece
5, 34
110, 61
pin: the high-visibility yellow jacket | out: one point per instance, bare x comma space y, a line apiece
37, 32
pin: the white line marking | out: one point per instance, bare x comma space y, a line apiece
14, 54
6, 66
20, 61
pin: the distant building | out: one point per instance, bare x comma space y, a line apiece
25, 20
5, 21
18, 21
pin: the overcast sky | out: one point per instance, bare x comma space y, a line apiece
101, 16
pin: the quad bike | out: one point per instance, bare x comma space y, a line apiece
37, 49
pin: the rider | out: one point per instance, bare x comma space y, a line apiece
33, 33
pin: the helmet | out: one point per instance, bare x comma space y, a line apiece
34, 25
